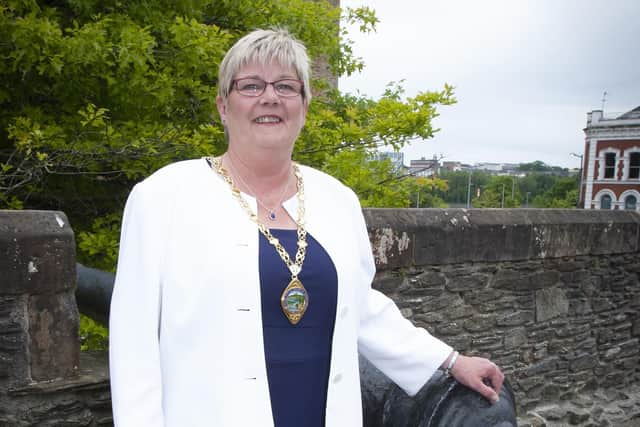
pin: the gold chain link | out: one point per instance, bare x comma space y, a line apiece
294, 267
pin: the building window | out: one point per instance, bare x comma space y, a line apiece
630, 203
609, 165
605, 202
634, 165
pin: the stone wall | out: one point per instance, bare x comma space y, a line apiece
41, 382
552, 296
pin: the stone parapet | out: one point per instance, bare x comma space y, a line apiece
38, 313
403, 238
552, 296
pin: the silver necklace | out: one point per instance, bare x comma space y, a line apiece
272, 211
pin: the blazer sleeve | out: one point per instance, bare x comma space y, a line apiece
134, 347
408, 355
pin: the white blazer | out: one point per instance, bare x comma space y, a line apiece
186, 343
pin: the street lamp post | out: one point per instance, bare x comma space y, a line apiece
580, 156
469, 191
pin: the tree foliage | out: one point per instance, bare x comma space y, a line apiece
562, 194
97, 95
540, 189
500, 192
540, 166
458, 186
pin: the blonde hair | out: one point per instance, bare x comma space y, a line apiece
264, 47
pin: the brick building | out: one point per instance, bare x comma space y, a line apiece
611, 175
424, 167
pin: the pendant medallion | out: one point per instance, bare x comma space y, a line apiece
294, 301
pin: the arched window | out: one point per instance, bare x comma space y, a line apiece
630, 203
605, 202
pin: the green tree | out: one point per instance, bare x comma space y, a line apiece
458, 186
95, 96
540, 166
534, 184
563, 194
425, 192
500, 191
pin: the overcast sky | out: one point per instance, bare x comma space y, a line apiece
526, 72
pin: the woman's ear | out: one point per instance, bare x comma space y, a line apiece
222, 108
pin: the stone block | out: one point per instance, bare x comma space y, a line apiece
552, 412
458, 312
490, 296
37, 252
480, 323
53, 332
430, 279
14, 342
588, 345
578, 416
517, 318
580, 275
613, 380
583, 362
450, 328
515, 338
466, 283
530, 382
602, 304
461, 342
635, 328
629, 348
579, 307
510, 279
569, 265
550, 391
551, 303
38, 312
544, 279
543, 366
628, 364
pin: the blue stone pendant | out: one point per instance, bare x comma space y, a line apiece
294, 301
272, 215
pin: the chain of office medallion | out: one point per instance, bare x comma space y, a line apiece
294, 267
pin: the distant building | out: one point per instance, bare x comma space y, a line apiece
452, 166
396, 158
511, 169
424, 167
611, 176
489, 167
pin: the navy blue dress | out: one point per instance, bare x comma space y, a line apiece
298, 356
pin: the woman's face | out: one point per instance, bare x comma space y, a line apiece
268, 121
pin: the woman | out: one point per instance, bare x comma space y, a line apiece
243, 292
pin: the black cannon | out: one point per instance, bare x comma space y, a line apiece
442, 402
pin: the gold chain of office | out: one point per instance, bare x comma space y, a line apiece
296, 266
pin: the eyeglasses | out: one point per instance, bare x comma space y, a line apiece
251, 86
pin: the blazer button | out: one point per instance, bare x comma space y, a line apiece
344, 312
337, 378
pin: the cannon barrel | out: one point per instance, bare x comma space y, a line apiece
93, 293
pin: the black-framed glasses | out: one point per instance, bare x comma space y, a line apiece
252, 86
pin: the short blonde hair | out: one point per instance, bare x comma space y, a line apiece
264, 47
